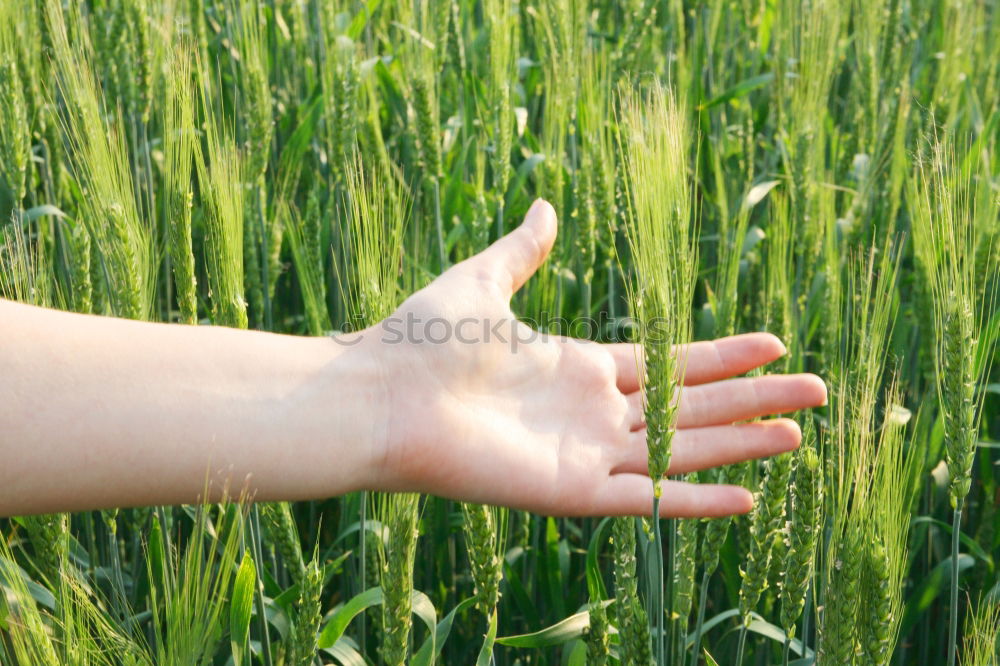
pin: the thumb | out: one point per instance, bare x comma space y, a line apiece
515, 257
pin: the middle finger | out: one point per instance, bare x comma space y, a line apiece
746, 398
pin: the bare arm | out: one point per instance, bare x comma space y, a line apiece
99, 412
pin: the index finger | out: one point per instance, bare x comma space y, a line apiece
706, 361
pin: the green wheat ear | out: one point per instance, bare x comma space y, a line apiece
99, 160
486, 540
877, 646
80, 267
948, 212
49, 537
178, 154
341, 84
503, 25
659, 232
803, 529
399, 512
220, 171
768, 515
277, 520
685, 564
15, 148
309, 615
839, 642
31, 639
630, 616
982, 626
597, 636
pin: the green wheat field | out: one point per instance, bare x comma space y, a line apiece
827, 170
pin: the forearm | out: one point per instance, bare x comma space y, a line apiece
99, 412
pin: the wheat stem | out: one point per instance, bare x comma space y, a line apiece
657, 604
956, 523
742, 644
700, 621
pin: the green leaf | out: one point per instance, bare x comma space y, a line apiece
342, 617
709, 659
242, 608
969, 542
758, 625
360, 19
346, 654
758, 192
277, 617
595, 582
754, 235
371, 525
552, 567
575, 654
559, 633
929, 589
39, 593
739, 90
521, 176
768, 630
712, 622
33, 214
156, 556
988, 337
431, 648
423, 608
486, 652
519, 594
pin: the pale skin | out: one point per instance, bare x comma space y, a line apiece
97, 412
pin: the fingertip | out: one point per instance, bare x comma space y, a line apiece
814, 390
788, 433
686, 500
770, 346
541, 220
541, 207
782, 349
744, 352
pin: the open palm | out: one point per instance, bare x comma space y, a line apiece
486, 409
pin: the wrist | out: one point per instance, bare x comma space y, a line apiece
333, 417
342, 418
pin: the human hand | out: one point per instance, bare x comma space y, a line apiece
544, 423
481, 408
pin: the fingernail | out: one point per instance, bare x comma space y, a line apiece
535, 206
784, 349
538, 213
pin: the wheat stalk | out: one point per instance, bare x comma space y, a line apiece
945, 223
658, 229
